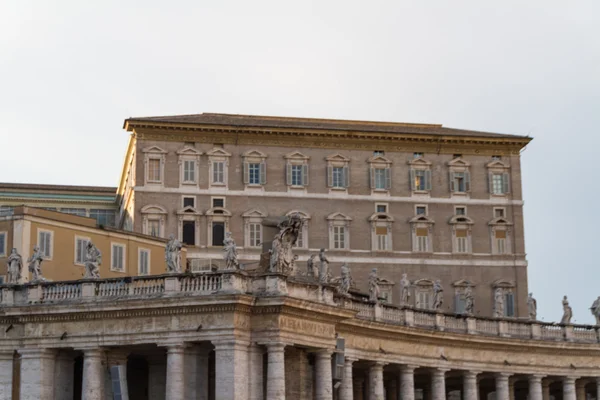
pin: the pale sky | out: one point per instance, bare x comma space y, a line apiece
72, 71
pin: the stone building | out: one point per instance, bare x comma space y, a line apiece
433, 202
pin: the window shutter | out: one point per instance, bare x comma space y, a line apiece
246, 173
388, 178
451, 177
263, 173
505, 183
305, 175
490, 182
346, 177
78, 258
428, 179
412, 179
467, 181
329, 176
509, 310
289, 174
457, 308
372, 178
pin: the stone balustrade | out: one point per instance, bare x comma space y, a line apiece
241, 282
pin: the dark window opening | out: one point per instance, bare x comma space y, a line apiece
219, 202
189, 201
218, 233
189, 233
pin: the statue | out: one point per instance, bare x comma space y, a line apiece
281, 259
230, 250
404, 290
345, 280
173, 255
438, 295
498, 303
14, 264
596, 310
373, 286
567, 311
324, 269
35, 264
469, 306
311, 267
93, 259
532, 307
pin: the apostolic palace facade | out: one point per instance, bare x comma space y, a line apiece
373, 261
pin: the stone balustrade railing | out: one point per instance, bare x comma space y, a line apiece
241, 282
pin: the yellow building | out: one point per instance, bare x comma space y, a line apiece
63, 238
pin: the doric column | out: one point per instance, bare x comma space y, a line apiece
407, 382
202, 373
63, 375
275, 371
346, 390
470, 388
92, 387
438, 384
255, 365
37, 374
157, 377
568, 385
323, 381
359, 388
175, 386
117, 364
546, 389
502, 389
376, 381
535, 387
6, 375
191, 372
580, 389
231, 369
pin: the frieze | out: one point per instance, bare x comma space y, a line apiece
302, 326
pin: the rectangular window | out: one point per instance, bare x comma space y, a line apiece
144, 262
418, 155
338, 177
421, 210
74, 211
499, 213
189, 202
459, 182
460, 211
381, 232
80, 250
255, 234
118, 257
154, 170
455, 156
499, 183
500, 237
420, 179
339, 237
254, 174
459, 304
45, 243
424, 299
509, 304
296, 175
422, 235
496, 158
380, 178
6, 211
218, 172
381, 208
103, 217
154, 227
378, 153
461, 241
218, 202
189, 171
3, 244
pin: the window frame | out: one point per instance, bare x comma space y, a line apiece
112, 257
296, 159
213, 198
4, 240
254, 158
338, 219
86, 240
218, 155
419, 166
148, 260
338, 181
253, 217
51, 233
386, 205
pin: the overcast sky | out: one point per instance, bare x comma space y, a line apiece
71, 73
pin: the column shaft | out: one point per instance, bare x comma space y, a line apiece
275, 371
157, 377
323, 386
175, 386
535, 387
569, 388
255, 365
64, 370
202, 374
470, 388
346, 390
37, 374
231, 370
191, 372
438, 384
92, 387
6, 375
502, 387
407, 382
376, 382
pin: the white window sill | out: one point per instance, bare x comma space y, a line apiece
117, 270
154, 183
255, 187
460, 194
188, 183
221, 184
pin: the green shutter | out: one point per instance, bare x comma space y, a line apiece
491, 182
428, 179
305, 175
451, 178
388, 178
263, 173
372, 178
289, 174
505, 183
246, 173
329, 176
467, 181
412, 179
346, 177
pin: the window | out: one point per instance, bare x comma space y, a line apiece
103, 217
461, 236
80, 249
255, 234
153, 219
153, 227
500, 239
382, 237
418, 155
421, 210
74, 211
297, 170
154, 163
460, 182
339, 237
509, 304
255, 168
459, 303
300, 239
498, 177
422, 239
218, 175
117, 257
3, 244
381, 178
424, 299
49, 208
189, 202
422, 180
154, 170
378, 153
496, 158
218, 202
189, 171
188, 233
381, 208
6, 211
497, 184
499, 213
254, 174
218, 233
338, 171
460, 210
45, 243
454, 156
144, 262
338, 177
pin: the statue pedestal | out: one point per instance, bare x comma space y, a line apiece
276, 284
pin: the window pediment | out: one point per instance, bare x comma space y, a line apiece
154, 149
153, 209
338, 216
381, 217
189, 210
218, 152
378, 160
423, 283
500, 221
421, 219
462, 283
302, 214
459, 162
420, 162
337, 157
497, 164
296, 155
254, 213
218, 211
461, 219
189, 151
254, 154
503, 283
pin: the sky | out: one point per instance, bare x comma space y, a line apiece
72, 71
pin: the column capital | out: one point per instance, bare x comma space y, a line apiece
350, 360
30, 353
274, 346
117, 356
569, 379
408, 368
377, 364
440, 371
502, 375
471, 374
536, 377
323, 353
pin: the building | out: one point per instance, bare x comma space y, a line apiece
63, 238
421, 199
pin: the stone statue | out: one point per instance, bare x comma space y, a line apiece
498, 303
281, 259
35, 264
14, 264
404, 290
173, 255
230, 252
374, 286
311, 267
438, 295
469, 306
567, 311
93, 258
595, 308
345, 280
532, 307
324, 268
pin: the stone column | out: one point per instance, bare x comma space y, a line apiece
255, 366
546, 389
407, 382
359, 389
64, 369
37, 374
231, 370
6, 375
502, 390
346, 390
438, 384
323, 384
118, 359
470, 389
535, 387
376, 381
275, 371
92, 387
157, 377
569, 388
175, 385
580, 389
191, 372
202, 373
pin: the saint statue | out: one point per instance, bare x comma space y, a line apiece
14, 263
567, 311
324, 269
93, 259
345, 280
374, 286
35, 264
173, 255
532, 307
498, 303
469, 301
312, 269
230, 252
438, 295
282, 259
404, 290
595, 308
